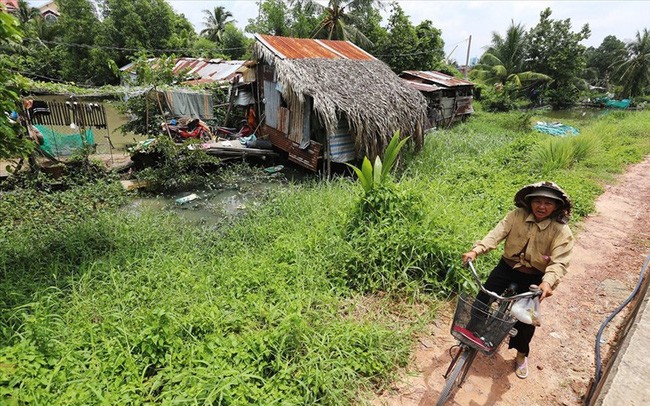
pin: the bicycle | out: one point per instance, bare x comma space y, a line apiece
478, 327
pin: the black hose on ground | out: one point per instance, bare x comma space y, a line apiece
602, 328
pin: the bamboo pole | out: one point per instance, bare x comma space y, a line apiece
162, 112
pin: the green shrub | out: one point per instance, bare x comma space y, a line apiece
173, 167
554, 154
584, 147
499, 100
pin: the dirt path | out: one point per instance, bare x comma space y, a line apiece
610, 250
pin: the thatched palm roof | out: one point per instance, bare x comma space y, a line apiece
367, 93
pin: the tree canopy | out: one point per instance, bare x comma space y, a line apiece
92, 38
11, 143
505, 60
554, 50
634, 72
215, 23
601, 61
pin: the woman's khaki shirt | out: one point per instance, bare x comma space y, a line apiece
545, 246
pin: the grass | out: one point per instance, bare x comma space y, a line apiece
102, 305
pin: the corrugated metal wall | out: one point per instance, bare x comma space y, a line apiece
271, 103
342, 143
447, 105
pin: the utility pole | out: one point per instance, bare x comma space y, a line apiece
469, 45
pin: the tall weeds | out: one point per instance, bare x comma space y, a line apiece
102, 306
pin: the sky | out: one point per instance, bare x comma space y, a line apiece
458, 20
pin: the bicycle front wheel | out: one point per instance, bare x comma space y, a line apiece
457, 374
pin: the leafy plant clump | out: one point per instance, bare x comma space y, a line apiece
77, 170
389, 251
167, 166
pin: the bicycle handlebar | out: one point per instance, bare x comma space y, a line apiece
532, 293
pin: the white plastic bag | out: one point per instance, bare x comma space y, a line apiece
527, 311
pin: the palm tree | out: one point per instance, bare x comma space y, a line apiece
215, 23
635, 71
504, 60
26, 12
45, 31
338, 24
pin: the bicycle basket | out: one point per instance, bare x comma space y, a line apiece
480, 326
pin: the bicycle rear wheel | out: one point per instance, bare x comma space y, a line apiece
457, 374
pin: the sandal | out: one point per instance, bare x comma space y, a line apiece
521, 370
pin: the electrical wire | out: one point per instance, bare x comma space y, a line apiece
77, 45
37, 76
602, 328
188, 50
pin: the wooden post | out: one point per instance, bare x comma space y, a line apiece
230, 99
146, 113
162, 112
108, 132
329, 159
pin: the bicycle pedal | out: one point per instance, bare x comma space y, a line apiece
513, 332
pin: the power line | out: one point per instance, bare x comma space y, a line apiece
189, 50
409, 54
35, 75
77, 45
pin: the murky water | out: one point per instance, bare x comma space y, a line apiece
207, 208
577, 114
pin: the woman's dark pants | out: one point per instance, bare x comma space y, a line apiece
500, 279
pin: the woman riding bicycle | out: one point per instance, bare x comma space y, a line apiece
538, 244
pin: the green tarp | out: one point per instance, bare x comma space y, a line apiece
58, 144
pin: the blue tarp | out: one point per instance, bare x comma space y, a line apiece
557, 129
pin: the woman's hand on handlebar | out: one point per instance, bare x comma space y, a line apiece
471, 255
546, 289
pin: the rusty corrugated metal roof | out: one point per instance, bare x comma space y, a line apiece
206, 70
423, 87
202, 70
10, 4
301, 48
438, 78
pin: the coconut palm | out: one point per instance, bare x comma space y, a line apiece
504, 60
26, 12
635, 70
336, 23
215, 22
44, 30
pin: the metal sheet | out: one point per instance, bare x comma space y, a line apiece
202, 70
438, 78
300, 48
271, 103
342, 143
423, 87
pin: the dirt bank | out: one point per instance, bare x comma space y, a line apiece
610, 250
